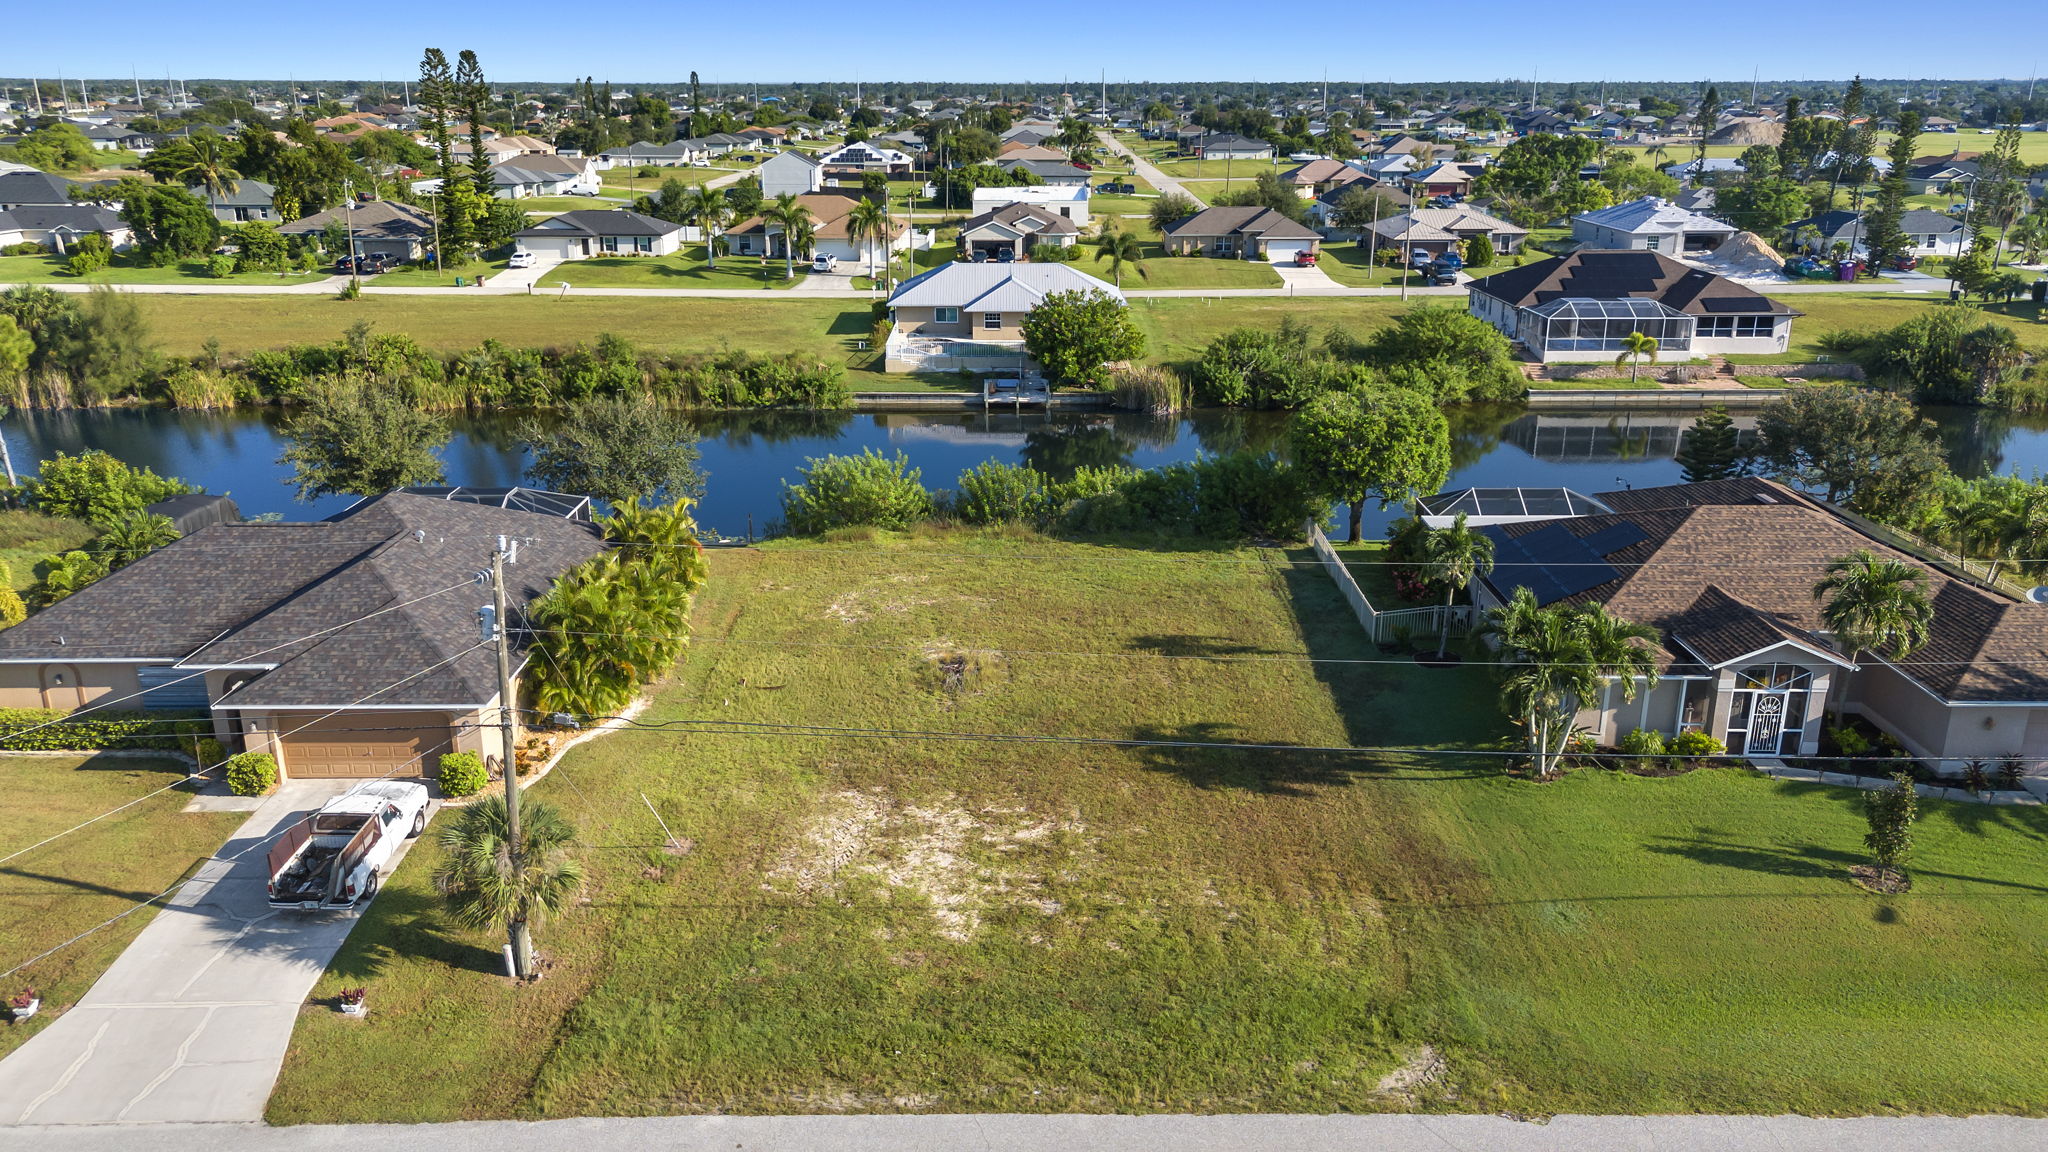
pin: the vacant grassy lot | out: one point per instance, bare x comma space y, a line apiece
27, 537
55, 270
58, 891
430, 277
1178, 329
1834, 311
906, 924
685, 269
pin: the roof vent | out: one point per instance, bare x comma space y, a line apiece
1766, 498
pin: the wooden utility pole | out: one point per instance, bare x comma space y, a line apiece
520, 939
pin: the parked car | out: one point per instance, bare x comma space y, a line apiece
335, 858
1006, 255
1304, 259
344, 265
522, 260
582, 191
824, 263
1304, 157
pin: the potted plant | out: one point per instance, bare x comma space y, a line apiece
351, 1001
24, 1004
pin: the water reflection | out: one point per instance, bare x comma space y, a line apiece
749, 455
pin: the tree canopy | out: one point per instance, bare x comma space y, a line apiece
361, 439
1355, 446
619, 449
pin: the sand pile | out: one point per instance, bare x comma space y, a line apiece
1745, 256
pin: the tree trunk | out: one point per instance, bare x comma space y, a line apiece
1357, 521
710, 250
519, 933
1443, 642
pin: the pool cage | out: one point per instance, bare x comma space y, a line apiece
1577, 324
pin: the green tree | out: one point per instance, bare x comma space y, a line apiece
492, 883
1448, 353
59, 147
1559, 657
710, 211
1389, 445
110, 350
96, 487
1871, 450
60, 576
792, 216
1886, 241
1454, 556
620, 449
867, 223
209, 168
1358, 209
1875, 603
134, 536
1118, 247
170, 224
1073, 334
1890, 814
17, 349
1169, 209
1635, 348
473, 94
1765, 205
1711, 448
847, 491
361, 439
1477, 251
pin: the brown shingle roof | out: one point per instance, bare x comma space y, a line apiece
1614, 275
1247, 220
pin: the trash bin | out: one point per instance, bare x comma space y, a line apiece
458, 282
2040, 288
479, 281
1955, 295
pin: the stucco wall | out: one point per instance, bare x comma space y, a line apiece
66, 686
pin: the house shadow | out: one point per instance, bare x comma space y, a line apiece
409, 923
73, 882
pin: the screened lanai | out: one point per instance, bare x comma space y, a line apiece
1580, 324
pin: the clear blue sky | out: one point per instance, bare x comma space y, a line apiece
525, 40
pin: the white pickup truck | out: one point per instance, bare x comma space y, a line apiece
334, 858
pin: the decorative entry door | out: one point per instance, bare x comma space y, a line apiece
1766, 722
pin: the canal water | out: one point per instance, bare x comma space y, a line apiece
749, 456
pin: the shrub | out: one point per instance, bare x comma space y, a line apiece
843, 491
1153, 388
463, 774
95, 731
1643, 742
220, 267
998, 493
1074, 334
1977, 777
12, 610
252, 773
26, 248
1694, 745
1851, 741
2012, 772
209, 752
89, 254
98, 487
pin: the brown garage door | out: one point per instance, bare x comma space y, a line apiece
398, 744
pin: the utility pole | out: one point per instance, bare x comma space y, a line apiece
520, 941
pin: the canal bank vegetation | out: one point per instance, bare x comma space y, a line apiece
1440, 352
79, 518
1950, 355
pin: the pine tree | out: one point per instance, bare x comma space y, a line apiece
1710, 449
438, 97
474, 95
1883, 233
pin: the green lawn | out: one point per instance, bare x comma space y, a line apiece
1162, 271
1832, 311
1179, 328
73, 884
427, 277
1345, 263
628, 183
905, 924
53, 269
685, 269
551, 205
27, 537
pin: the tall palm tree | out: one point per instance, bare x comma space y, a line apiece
1454, 557
709, 210
1634, 347
792, 216
489, 886
2002, 520
209, 168
1119, 248
867, 223
1874, 602
1561, 657
1656, 154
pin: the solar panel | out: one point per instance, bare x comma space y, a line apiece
1614, 538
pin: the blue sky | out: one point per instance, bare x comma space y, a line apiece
531, 41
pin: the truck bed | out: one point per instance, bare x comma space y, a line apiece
308, 876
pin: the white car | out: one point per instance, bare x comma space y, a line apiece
1303, 157
823, 263
521, 260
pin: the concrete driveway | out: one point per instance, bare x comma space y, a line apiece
192, 1021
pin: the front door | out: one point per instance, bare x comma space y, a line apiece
1766, 722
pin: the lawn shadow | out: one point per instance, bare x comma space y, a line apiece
410, 923
1805, 861
1196, 646
2027, 821
1262, 767
81, 885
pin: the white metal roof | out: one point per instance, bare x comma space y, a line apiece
994, 287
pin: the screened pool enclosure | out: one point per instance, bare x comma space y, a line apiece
1578, 324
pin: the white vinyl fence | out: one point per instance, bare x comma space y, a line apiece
1384, 627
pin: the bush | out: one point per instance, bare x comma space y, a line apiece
1074, 334
96, 731
1694, 745
97, 487
1851, 741
252, 774
463, 774
26, 248
87, 259
220, 267
998, 493
1643, 742
845, 491
209, 752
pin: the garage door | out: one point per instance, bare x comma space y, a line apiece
1282, 251
365, 745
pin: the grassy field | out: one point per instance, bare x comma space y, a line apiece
551, 205
1835, 311
53, 269
68, 886
27, 537
1159, 271
428, 277
1178, 329
902, 924
685, 269
1346, 264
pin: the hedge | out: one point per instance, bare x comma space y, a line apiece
98, 730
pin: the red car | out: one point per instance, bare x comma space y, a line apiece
1304, 259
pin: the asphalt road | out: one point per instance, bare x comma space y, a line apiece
1080, 1134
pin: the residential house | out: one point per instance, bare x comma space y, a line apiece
1410, 146
29, 186
1431, 232
1584, 307
1444, 178
1931, 174
1241, 233
674, 154
971, 316
1018, 150
1320, 177
117, 138
248, 200
1047, 171
545, 175
1069, 200
1651, 224
1019, 229
1930, 233
865, 157
1322, 212
1230, 146
764, 137
287, 634
758, 236
1701, 200
501, 148
1725, 572
791, 173
379, 227
594, 232
58, 227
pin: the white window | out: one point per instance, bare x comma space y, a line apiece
991, 319
945, 315
609, 243
1656, 243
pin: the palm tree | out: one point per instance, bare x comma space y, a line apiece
1874, 602
1119, 248
1634, 347
209, 168
867, 223
2001, 521
488, 885
1561, 657
1454, 557
793, 217
134, 536
1656, 154
709, 210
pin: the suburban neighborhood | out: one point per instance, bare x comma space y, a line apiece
1082, 612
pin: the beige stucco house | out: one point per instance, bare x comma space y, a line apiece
971, 316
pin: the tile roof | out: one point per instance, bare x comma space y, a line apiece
1614, 275
258, 594
1653, 214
